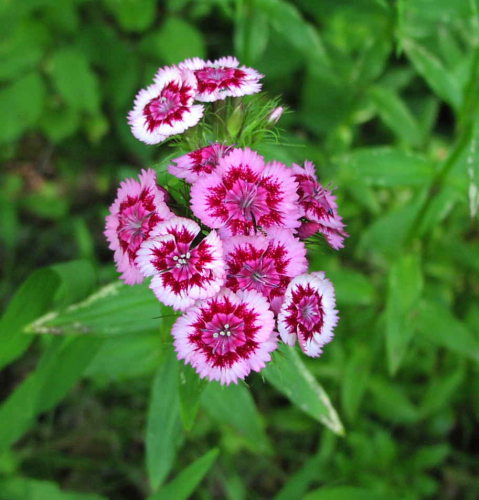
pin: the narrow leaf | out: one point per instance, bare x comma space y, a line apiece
342, 493
190, 390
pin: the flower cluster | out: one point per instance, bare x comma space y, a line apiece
234, 260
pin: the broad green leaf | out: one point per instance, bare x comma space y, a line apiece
163, 428
354, 381
342, 493
22, 488
290, 376
396, 115
185, 483
34, 298
74, 79
175, 41
441, 81
251, 32
22, 104
438, 325
405, 282
59, 121
133, 15
388, 167
59, 369
352, 287
234, 406
191, 387
78, 278
113, 310
429, 457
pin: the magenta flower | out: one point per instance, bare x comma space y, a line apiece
318, 206
138, 207
264, 264
197, 163
227, 336
243, 194
308, 313
222, 78
166, 107
182, 273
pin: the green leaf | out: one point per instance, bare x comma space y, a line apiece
22, 104
439, 325
342, 493
396, 115
78, 278
352, 287
175, 41
387, 167
75, 80
163, 428
58, 370
234, 406
354, 381
33, 299
191, 388
441, 81
251, 32
133, 15
22, 488
289, 375
185, 483
405, 283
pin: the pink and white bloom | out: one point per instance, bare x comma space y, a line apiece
308, 313
138, 207
243, 194
222, 78
203, 161
318, 206
166, 107
226, 336
182, 272
264, 264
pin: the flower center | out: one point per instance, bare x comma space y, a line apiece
182, 260
160, 107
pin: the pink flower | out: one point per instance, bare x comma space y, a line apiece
222, 78
166, 107
308, 313
138, 207
197, 163
276, 114
264, 264
243, 194
227, 336
182, 273
318, 206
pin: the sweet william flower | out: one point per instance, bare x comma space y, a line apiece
243, 194
182, 271
138, 207
227, 336
308, 313
192, 166
222, 78
318, 206
166, 107
264, 264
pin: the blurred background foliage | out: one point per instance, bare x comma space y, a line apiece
383, 98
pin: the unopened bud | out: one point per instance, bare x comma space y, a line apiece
235, 121
275, 115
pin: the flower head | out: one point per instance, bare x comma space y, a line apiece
226, 336
243, 194
222, 78
182, 272
138, 207
308, 313
264, 264
318, 205
166, 107
197, 163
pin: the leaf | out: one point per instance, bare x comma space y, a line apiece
288, 374
78, 278
133, 15
354, 382
74, 80
191, 388
441, 81
405, 283
163, 428
439, 326
342, 493
22, 104
33, 299
234, 406
396, 115
58, 370
185, 483
251, 32
352, 287
387, 167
